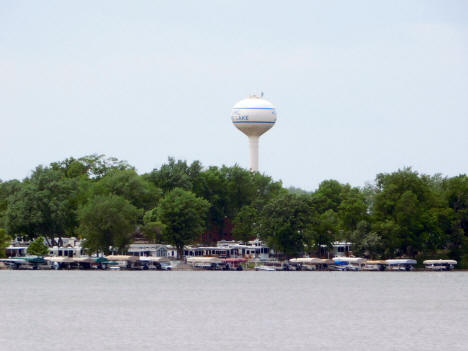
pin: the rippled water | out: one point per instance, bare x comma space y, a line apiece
77, 310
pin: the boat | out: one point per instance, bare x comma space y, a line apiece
348, 263
265, 268
234, 264
25, 262
401, 264
123, 261
440, 265
62, 262
310, 263
375, 265
207, 263
154, 262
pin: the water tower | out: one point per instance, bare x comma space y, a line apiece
253, 117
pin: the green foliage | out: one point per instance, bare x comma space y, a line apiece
183, 217
284, 222
107, 221
6, 190
322, 231
45, 204
245, 224
365, 242
129, 185
402, 214
152, 228
176, 175
38, 248
4, 241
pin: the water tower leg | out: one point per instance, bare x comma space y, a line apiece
253, 145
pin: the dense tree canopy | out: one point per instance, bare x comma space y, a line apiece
183, 217
107, 221
105, 201
4, 241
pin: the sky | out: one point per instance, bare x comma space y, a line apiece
360, 87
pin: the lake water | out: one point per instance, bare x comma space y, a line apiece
79, 310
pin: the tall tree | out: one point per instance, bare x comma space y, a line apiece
401, 211
45, 205
176, 174
4, 241
245, 224
107, 221
128, 184
183, 216
284, 222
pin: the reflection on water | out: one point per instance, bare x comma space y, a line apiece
76, 310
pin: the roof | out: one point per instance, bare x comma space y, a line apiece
61, 259
122, 258
204, 260
358, 260
440, 262
401, 261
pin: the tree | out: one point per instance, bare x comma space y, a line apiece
176, 175
7, 189
4, 241
38, 248
365, 242
245, 224
183, 216
128, 184
45, 204
322, 231
284, 222
107, 221
152, 229
92, 166
401, 210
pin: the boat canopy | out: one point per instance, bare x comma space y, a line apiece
127, 258
153, 259
84, 259
429, 262
24, 260
306, 260
61, 259
401, 261
195, 260
356, 260
235, 260
376, 262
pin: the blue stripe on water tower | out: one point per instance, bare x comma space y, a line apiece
253, 108
252, 122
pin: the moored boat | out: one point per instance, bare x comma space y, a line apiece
440, 265
348, 263
401, 264
375, 265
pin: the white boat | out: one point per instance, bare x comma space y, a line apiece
265, 268
203, 262
401, 264
154, 262
348, 263
375, 265
310, 263
440, 265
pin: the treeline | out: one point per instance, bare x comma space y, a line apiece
106, 202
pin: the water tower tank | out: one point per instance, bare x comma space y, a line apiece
253, 117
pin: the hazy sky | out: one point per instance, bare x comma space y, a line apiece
361, 87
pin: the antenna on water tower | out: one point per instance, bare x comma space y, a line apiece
253, 117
